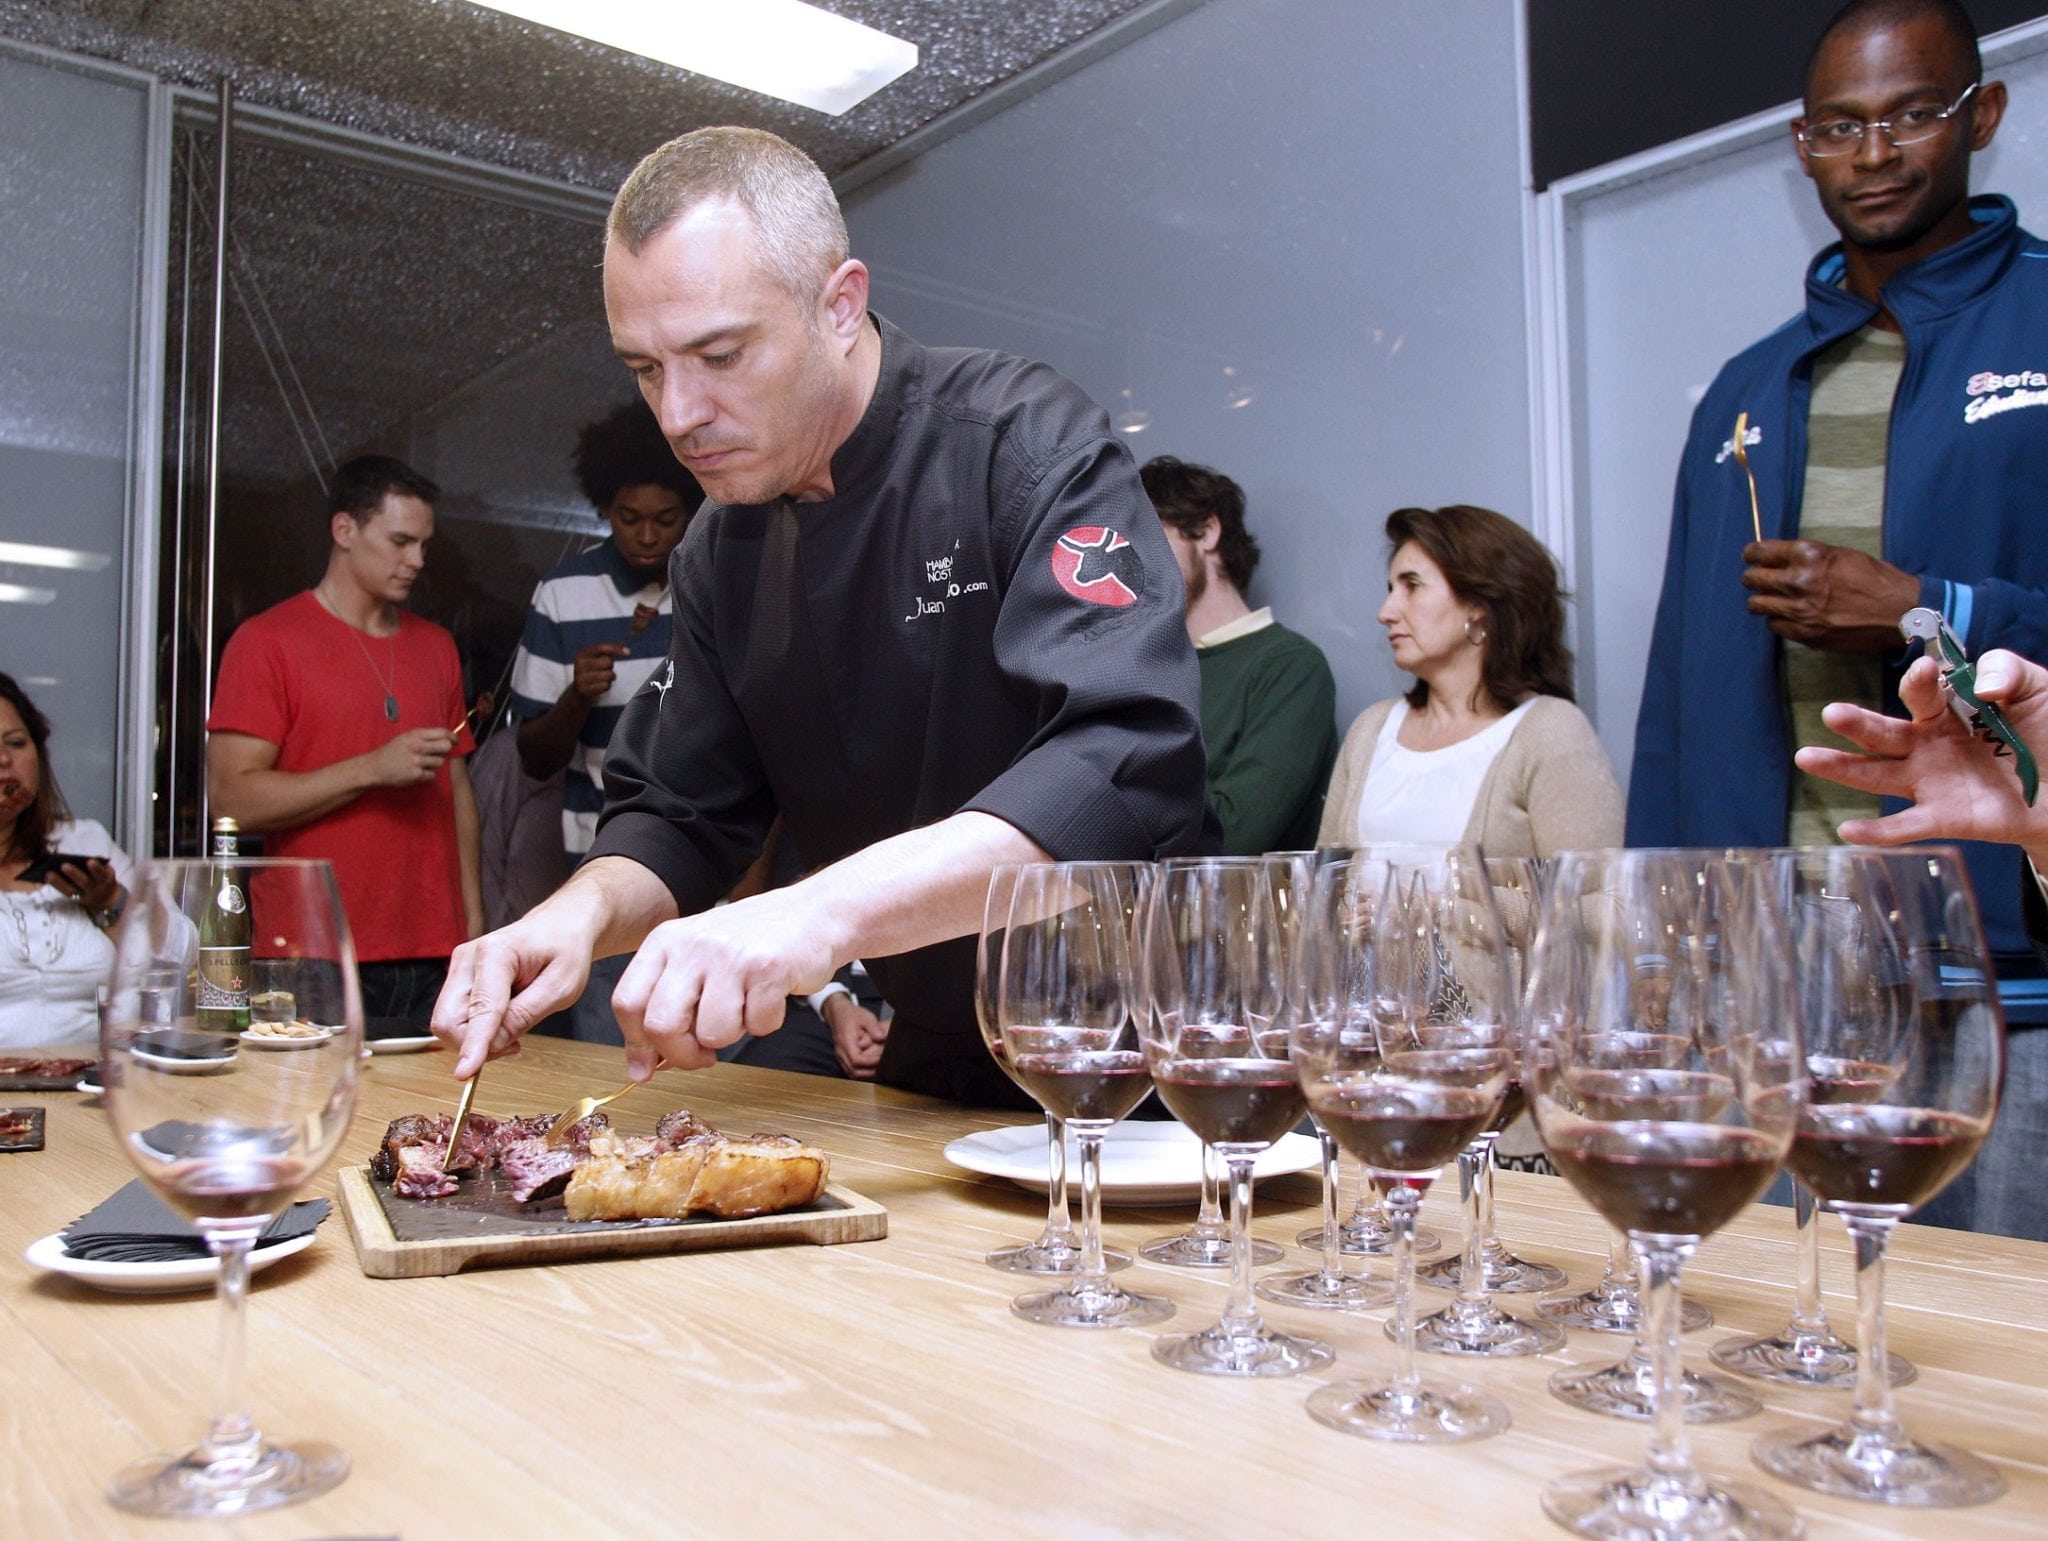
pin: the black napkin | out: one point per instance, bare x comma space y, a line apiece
133, 1225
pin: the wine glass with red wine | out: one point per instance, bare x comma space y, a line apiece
1685, 947
1855, 1026
1472, 1325
1216, 1041
1056, 1252
1409, 1067
1883, 1131
1329, 1287
1064, 1001
228, 1150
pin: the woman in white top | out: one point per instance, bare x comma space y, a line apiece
55, 946
1487, 746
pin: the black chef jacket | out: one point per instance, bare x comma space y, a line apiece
984, 615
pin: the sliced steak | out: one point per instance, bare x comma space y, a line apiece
419, 1172
535, 1171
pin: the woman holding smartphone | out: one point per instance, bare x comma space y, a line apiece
63, 883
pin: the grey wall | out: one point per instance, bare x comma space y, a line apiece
1318, 195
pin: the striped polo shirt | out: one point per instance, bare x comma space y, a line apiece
1848, 424
589, 598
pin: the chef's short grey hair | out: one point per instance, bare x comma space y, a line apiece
795, 213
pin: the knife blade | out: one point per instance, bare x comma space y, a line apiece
461, 1120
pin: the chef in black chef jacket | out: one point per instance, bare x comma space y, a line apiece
925, 613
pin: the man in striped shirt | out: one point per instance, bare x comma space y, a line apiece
597, 628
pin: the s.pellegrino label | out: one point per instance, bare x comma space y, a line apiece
221, 999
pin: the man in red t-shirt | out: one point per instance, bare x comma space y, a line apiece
338, 731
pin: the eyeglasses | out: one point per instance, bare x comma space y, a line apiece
1909, 125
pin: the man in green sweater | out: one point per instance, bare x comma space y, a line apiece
1269, 705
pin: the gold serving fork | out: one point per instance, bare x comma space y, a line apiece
583, 1107
1756, 519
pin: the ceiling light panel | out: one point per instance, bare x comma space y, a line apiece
781, 48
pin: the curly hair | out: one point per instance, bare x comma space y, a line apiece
33, 824
1493, 563
1188, 496
624, 448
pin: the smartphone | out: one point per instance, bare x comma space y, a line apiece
43, 869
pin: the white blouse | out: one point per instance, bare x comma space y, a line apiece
1426, 795
52, 957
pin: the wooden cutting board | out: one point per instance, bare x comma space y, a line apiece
496, 1240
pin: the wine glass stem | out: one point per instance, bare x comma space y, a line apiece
1333, 1248
1209, 1219
1241, 1313
1873, 1413
1093, 1275
1058, 1221
1402, 1202
1471, 1271
1808, 1314
1662, 1258
232, 1437
1615, 1281
1487, 1239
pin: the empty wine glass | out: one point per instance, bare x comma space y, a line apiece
1063, 1008
1685, 945
228, 1151
1900, 944
1861, 1050
1216, 1040
1403, 1077
1056, 1251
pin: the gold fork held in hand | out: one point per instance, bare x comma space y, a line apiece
583, 1107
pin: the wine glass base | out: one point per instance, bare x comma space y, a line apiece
1318, 1291
1818, 1361
1894, 1469
1370, 1238
1505, 1274
1098, 1306
1191, 1249
1430, 1413
1480, 1331
1627, 1390
1629, 1503
1050, 1259
1260, 1352
1617, 1311
186, 1487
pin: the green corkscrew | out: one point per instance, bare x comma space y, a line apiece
1959, 680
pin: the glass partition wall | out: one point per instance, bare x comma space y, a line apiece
378, 300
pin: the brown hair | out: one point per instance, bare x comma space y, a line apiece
1493, 563
1188, 496
33, 824
796, 216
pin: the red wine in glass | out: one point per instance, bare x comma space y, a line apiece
1883, 1157
1673, 1179
1234, 1103
1400, 1128
1087, 1085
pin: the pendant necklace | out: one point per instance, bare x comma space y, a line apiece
390, 685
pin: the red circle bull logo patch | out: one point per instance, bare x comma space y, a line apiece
1094, 563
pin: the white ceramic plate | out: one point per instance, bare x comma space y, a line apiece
257, 1040
1142, 1162
91, 1087
150, 1278
171, 1065
402, 1045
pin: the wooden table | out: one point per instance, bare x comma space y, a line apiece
883, 1389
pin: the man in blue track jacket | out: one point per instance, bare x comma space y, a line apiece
1898, 433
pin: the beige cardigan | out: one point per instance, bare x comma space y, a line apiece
1550, 789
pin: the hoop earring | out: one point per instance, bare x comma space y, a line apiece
1478, 641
